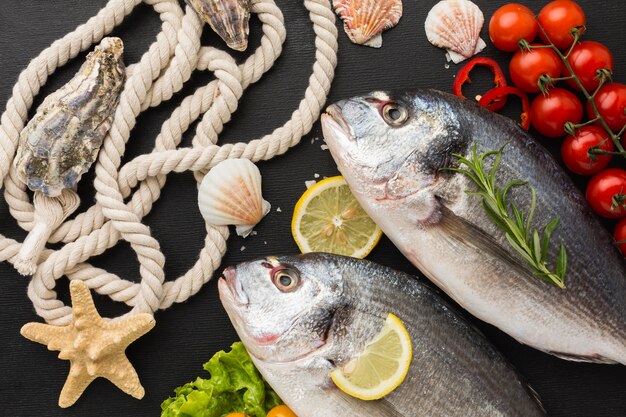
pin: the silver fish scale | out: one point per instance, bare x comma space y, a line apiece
460, 249
455, 372
62, 140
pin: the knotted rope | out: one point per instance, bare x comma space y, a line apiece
125, 194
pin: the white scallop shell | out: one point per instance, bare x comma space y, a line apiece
455, 25
230, 194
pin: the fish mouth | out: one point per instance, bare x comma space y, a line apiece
231, 287
335, 126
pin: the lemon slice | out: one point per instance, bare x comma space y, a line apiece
327, 218
381, 368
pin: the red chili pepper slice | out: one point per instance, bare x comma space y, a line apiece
499, 80
496, 96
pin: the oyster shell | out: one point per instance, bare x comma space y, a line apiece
230, 194
62, 140
365, 20
455, 25
228, 18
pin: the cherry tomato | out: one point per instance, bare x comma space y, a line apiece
509, 24
558, 18
606, 193
527, 66
586, 59
611, 103
575, 150
281, 411
620, 235
550, 112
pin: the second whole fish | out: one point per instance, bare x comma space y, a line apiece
300, 317
394, 151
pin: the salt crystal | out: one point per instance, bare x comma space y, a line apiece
316, 175
309, 184
243, 248
278, 209
324, 147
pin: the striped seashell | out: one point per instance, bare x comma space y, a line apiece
455, 25
365, 20
230, 194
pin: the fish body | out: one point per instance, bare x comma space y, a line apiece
333, 306
394, 151
61, 142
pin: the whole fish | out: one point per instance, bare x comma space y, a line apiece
393, 151
300, 317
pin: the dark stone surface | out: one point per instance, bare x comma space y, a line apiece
187, 335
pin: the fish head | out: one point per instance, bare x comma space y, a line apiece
388, 146
282, 307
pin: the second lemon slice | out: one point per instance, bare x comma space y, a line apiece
328, 218
381, 368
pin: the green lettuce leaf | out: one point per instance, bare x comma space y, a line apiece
234, 385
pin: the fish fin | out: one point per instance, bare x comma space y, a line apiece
376, 408
535, 396
579, 358
473, 236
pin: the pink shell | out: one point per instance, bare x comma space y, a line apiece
365, 20
455, 25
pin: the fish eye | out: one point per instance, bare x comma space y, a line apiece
395, 114
286, 279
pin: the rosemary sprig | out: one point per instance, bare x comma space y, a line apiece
603, 75
516, 225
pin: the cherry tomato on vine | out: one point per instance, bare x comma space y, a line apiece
558, 18
281, 411
509, 24
575, 150
620, 235
611, 103
586, 59
606, 193
550, 112
527, 66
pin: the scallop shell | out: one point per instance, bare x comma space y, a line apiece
230, 194
365, 20
455, 25
230, 19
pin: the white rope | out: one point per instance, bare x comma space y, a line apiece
125, 194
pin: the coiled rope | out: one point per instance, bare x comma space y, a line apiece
125, 194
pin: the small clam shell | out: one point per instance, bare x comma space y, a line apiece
365, 20
230, 19
230, 194
455, 25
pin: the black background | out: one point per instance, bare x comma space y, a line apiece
187, 335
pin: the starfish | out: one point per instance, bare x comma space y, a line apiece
94, 346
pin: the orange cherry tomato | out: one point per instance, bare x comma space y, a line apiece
509, 24
558, 18
281, 411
